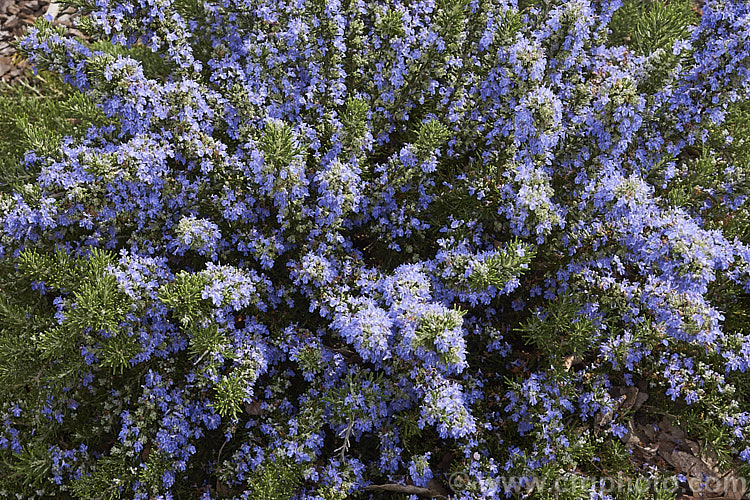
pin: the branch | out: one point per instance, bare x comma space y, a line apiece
406, 489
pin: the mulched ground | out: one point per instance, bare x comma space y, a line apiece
15, 16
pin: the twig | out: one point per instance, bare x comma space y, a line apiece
346, 434
405, 489
201, 357
218, 460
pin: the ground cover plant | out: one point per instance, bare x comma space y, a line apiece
330, 250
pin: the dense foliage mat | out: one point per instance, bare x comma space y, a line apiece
339, 249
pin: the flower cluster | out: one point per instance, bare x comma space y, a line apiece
324, 248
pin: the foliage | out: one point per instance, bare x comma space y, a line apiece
295, 250
35, 115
